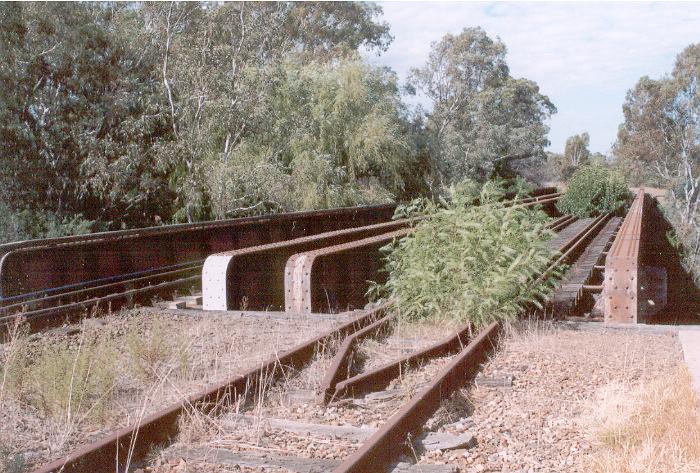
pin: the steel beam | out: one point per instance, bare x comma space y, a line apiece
253, 278
335, 278
65, 264
622, 268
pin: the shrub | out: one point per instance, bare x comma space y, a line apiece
593, 190
469, 263
69, 380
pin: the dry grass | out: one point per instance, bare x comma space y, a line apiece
648, 428
59, 391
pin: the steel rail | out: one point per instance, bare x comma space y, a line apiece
377, 453
381, 376
134, 442
342, 360
6, 302
71, 308
226, 276
114, 235
67, 295
39, 319
566, 221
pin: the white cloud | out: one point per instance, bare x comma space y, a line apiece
584, 56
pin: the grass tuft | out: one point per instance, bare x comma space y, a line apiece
152, 352
73, 380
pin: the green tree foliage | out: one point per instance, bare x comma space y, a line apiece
220, 70
479, 112
594, 190
661, 133
576, 153
659, 144
470, 263
121, 115
115, 111
336, 138
73, 111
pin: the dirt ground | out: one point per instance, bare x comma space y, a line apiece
559, 377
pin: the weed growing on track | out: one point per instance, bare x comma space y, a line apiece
73, 380
649, 428
12, 359
470, 263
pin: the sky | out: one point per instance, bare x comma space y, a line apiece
584, 56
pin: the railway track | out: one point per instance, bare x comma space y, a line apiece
459, 355
55, 281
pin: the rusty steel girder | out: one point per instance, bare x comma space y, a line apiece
336, 277
621, 284
50, 266
253, 277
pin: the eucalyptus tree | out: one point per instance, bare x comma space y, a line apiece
659, 143
661, 132
479, 113
218, 71
335, 135
75, 109
114, 111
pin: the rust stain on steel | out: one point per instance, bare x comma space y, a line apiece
378, 451
110, 453
622, 268
343, 358
305, 287
257, 273
380, 377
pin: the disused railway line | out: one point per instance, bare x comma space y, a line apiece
160, 427
584, 241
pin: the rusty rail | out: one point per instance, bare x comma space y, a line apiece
393, 437
342, 361
111, 453
380, 377
377, 453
